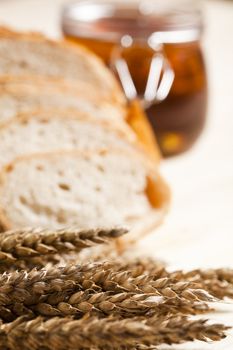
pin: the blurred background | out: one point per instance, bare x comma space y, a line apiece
199, 229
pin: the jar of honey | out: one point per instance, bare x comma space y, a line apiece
154, 48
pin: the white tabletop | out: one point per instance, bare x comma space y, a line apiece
198, 231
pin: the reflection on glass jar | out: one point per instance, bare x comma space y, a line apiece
169, 28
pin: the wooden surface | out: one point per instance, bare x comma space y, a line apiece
198, 232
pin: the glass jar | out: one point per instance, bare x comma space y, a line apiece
154, 49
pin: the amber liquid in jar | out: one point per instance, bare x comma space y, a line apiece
179, 119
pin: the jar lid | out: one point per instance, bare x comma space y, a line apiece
171, 21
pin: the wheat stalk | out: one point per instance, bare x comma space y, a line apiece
164, 286
169, 288
101, 304
100, 277
74, 290
107, 333
35, 245
140, 295
139, 265
223, 274
80, 303
217, 282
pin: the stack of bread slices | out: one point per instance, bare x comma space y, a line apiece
72, 152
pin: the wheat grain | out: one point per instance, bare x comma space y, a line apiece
34, 247
53, 291
217, 282
32, 242
107, 333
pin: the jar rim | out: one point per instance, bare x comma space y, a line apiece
168, 21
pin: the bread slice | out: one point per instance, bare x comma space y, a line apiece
23, 54
28, 55
19, 95
86, 189
45, 131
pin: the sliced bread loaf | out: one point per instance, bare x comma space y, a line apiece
28, 55
19, 95
33, 54
85, 189
54, 130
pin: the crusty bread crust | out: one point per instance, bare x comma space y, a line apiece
139, 123
143, 226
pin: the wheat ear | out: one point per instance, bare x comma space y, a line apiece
75, 290
107, 333
217, 282
26, 245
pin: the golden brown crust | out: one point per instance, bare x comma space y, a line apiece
159, 196
138, 121
6, 32
4, 222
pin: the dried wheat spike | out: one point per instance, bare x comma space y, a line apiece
29, 243
224, 274
169, 287
101, 304
139, 265
107, 333
102, 277
32, 285
217, 282
123, 281
195, 284
56, 291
